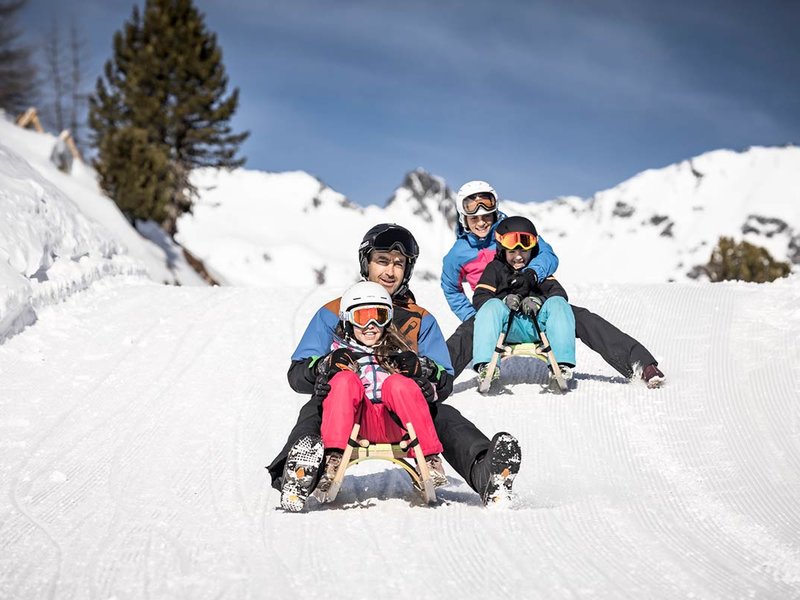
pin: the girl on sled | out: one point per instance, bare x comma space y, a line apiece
366, 371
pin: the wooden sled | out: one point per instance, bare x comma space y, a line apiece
540, 351
360, 450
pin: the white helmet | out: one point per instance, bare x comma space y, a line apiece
363, 292
470, 189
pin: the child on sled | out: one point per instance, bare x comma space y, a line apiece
504, 287
363, 370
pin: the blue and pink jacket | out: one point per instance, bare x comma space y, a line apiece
469, 256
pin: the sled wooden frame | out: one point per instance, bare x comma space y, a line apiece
541, 351
362, 450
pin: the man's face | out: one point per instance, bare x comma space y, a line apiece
387, 268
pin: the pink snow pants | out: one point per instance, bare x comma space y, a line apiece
346, 404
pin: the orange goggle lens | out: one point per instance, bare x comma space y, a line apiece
514, 239
473, 203
361, 316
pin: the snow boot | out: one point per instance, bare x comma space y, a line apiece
300, 474
653, 376
552, 386
333, 459
483, 369
436, 469
493, 474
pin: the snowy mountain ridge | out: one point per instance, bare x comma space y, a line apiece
657, 226
260, 229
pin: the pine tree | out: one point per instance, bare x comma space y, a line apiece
744, 262
18, 83
161, 108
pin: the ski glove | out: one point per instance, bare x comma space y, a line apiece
322, 387
512, 301
408, 364
427, 389
531, 305
340, 359
531, 277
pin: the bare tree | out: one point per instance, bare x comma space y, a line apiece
18, 83
54, 60
79, 99
64, 66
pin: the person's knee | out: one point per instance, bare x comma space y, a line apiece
556, 305
494, 306
347, 381
397, 383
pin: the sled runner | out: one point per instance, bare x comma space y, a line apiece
360, 450
541, 350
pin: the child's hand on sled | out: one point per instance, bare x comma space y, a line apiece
531, 305
512, 301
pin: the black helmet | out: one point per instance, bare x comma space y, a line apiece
515, 232
388, 237
516, 224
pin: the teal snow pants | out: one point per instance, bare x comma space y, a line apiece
555, 319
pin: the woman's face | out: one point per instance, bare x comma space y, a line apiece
480, 225
369, 335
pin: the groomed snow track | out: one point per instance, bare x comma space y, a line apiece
136, 420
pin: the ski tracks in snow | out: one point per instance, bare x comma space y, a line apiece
137, 421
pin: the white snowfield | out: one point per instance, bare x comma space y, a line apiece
136, 420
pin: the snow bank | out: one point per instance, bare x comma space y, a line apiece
48, 248
59, 234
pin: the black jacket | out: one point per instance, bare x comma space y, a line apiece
499, 279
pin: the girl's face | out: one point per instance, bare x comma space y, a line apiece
518, 257
369, 335
480, 225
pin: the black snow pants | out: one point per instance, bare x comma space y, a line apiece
617, 348
463, 443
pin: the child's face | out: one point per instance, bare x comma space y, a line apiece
480, 225
369, 335
518, 258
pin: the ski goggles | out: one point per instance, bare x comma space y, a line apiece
472, 204
516, 239
362, 316
396, 238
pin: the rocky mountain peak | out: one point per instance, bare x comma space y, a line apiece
425, 194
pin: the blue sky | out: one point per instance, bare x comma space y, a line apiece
542, 99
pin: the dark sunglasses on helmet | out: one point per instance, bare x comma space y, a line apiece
514, 239
472, 203
396, 238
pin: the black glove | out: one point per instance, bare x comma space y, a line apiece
322, 387
430, 370
340, 359
531, 305
512, 301
531, 277
408, 364
427, 389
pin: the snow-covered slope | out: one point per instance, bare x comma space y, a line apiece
58, 233
134, 440
260, 229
